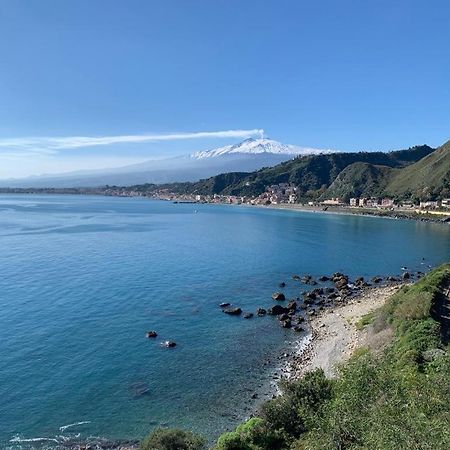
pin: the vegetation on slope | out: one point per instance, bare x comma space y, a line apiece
426, 179
398, 398
312, 174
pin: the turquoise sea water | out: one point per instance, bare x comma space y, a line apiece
83, 279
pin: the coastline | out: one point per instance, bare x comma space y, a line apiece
347, 211
334, 335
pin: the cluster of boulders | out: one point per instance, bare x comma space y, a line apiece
335, 290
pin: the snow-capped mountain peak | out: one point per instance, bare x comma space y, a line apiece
257, 146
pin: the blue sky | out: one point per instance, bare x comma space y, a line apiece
345, 75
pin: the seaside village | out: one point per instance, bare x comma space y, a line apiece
286, 193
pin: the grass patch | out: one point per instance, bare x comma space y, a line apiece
365, 320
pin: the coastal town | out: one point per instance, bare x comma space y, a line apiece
287, 194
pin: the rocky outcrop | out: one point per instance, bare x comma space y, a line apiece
278, 296
151, 334
277, 310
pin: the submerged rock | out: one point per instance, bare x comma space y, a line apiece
248, 315
139, 388
233, 311
282, 284
261, 312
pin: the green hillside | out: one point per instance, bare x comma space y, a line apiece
312, 174
360, 180
427, 178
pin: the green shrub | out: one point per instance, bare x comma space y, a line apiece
173, 439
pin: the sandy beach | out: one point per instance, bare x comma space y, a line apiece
334, 335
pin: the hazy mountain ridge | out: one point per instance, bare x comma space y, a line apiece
248, 156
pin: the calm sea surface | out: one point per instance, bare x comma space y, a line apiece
83, 278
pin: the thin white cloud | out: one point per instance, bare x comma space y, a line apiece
52, 145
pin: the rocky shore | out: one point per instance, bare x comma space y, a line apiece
335, 334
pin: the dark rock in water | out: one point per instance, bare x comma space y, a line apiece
292, 305
406, 276
329, 290
300, 319
298, 329
324, 278
277, 310
170, 344
341, 282
392, 279
261, 312
278, 296
295, 277
286, 324
233, 311
313, 282
224, 305
359, 281
248, 315
377, 279
310, 295
151, 334
337, 275
282, 284
283, 317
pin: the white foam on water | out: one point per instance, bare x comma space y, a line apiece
70, 425
18, 439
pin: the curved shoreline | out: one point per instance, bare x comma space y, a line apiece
334, 335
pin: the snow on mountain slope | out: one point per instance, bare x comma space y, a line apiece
257, 146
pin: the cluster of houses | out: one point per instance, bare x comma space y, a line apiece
276, 194
390, 203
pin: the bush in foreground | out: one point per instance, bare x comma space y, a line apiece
173, 439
